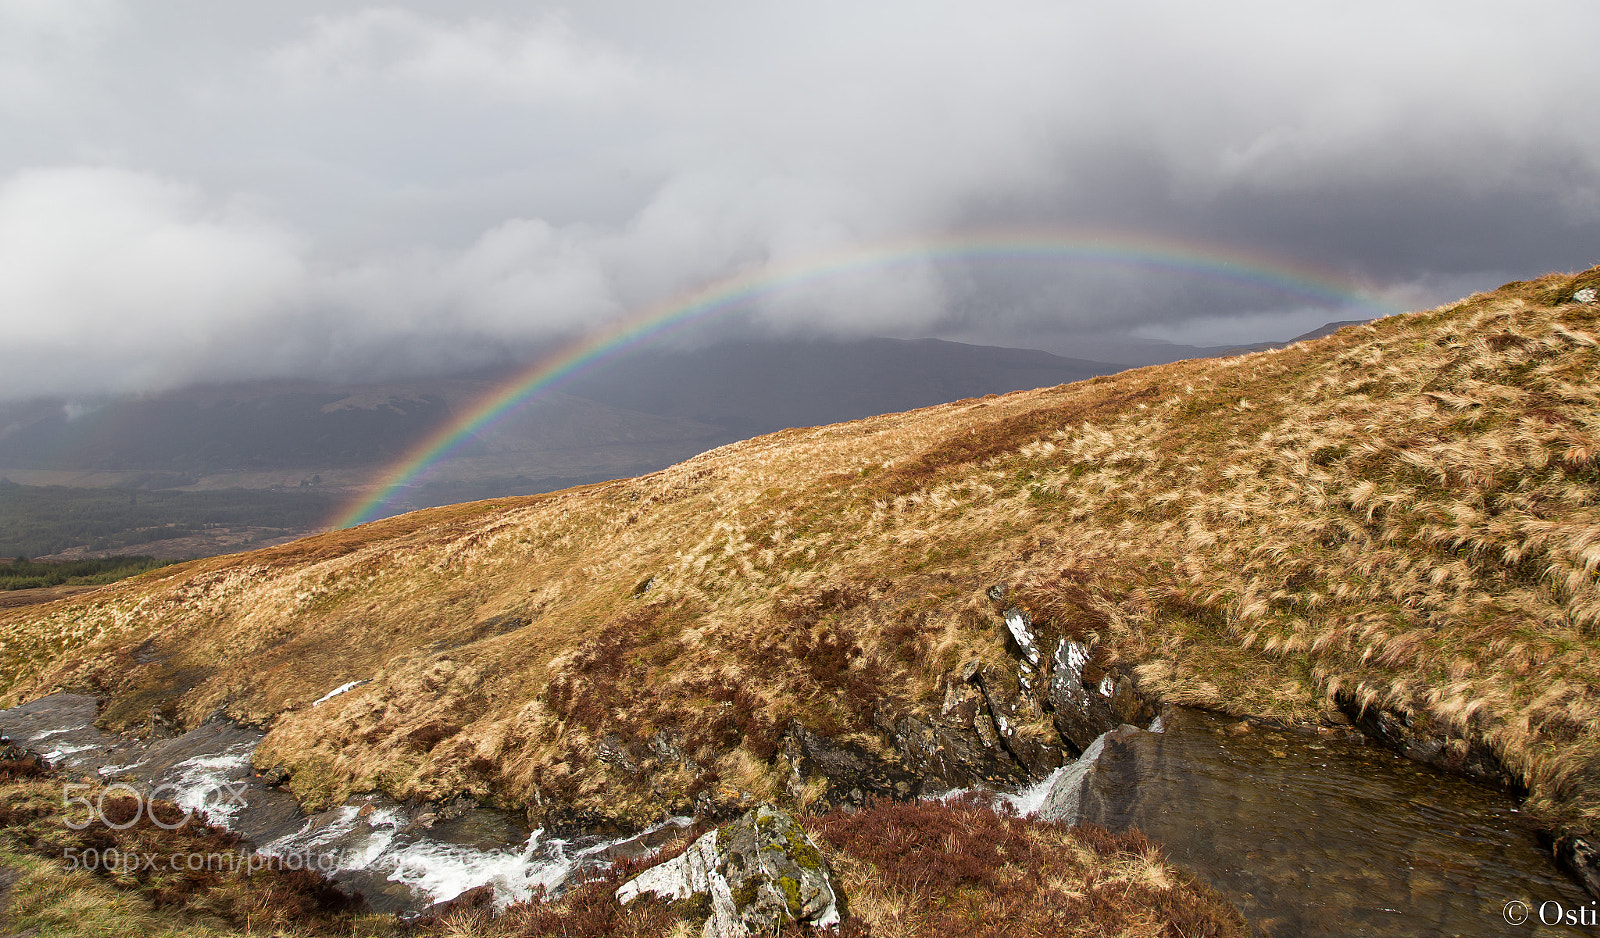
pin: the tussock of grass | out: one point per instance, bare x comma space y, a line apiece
1404, 512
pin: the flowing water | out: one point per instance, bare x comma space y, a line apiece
1307, 836
400, 858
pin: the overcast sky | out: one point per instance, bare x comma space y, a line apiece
200, 191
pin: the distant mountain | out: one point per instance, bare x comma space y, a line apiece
640, 413
755, 387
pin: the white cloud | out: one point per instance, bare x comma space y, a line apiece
522, 281
447, 180
115, 280
544, 60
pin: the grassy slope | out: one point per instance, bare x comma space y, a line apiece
1407, 511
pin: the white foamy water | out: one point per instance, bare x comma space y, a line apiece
443, 871
112, 771
206, 784
440, 871
1028, 801
64, 751
358, 841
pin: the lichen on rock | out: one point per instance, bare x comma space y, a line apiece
757, 872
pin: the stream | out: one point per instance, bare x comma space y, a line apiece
400, 858
1308, 836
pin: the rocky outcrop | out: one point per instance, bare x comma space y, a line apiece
851, 776
1003, 723
755, 875
1064, 800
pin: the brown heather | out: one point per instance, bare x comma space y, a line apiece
1405, 512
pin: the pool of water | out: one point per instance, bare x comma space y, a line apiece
1314, 836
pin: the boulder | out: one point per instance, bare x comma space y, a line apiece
1071, 793
755, 875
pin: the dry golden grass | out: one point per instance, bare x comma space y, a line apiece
1406, 512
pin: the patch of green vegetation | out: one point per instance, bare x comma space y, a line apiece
22, 573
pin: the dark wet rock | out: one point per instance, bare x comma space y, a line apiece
1128, 705
1431, 742
1579, 854
947, 758
1001, 723
566, 821
164, 723
429, 816
1080, 713
17, 762
1012, 711
275, 777
1076, 793
477, 899
457, 806
755, 875
852, 776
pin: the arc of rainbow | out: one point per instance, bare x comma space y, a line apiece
732, 293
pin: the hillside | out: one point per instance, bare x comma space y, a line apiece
1398, 524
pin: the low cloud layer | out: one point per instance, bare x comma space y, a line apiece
349, 190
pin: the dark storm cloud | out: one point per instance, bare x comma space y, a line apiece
189, 191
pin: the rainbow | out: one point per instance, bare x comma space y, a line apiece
731, 294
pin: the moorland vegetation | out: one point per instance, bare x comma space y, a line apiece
1403, 516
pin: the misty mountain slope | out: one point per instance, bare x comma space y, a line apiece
762, 386
634, 414
1404, 515
277, 426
